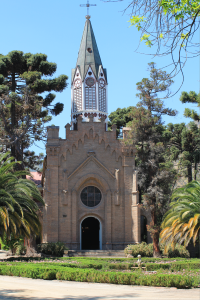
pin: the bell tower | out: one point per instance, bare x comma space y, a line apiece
89, 81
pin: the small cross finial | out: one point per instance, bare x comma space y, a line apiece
88, 6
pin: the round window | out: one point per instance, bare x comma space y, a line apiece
90, 81
89, 50
91, 196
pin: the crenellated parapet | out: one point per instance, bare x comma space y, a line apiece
87, 130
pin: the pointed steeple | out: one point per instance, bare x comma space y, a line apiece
88, 52
89, 81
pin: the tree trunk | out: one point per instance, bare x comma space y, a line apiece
156, 248
195, 171
13, 119
189, 173
19, 156
155, 236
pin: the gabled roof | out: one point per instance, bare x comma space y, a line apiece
88, 52
91, 158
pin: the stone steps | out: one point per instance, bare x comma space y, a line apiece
95, 253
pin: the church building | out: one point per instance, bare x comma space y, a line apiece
90, 190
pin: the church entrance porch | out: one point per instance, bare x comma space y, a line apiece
90, 234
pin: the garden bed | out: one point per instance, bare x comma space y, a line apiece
180, 273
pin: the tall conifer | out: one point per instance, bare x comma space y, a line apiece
156, 175
24, 109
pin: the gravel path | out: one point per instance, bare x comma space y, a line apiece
15, 288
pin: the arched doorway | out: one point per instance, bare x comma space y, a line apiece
90, 234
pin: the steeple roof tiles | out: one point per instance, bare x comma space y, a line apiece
88, 52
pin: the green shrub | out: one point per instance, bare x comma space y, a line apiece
179, 251
49, 275
19, 248
146, 250
55, 249
15, 244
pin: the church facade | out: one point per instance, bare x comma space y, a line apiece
90, 191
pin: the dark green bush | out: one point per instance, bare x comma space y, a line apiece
146, 250
55, 249
179, 251
49, 275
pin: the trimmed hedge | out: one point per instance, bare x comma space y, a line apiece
91, 275
146, 250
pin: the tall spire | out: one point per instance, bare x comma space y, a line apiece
89, 81
88, 52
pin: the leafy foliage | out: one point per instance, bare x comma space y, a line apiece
120, 118
182, 221
56, 249
146, 250
18, 207
170, 26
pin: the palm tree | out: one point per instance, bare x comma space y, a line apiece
182, 222
18, 208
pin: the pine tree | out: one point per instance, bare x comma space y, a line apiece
191, 97
185, 147
120, 117
23, 110
156, 174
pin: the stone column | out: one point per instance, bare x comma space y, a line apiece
65, 189
53, 224
135, 211
97, 95
108, 221
50, 231
69, 219
128, 163
74, 219
67, 127
116, 194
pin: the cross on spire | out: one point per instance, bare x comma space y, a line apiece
88, 6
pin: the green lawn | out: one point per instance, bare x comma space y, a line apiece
176, 272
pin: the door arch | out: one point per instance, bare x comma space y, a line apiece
90, 233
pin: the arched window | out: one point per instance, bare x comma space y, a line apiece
77, 103
102, 99
90, 97
143, 222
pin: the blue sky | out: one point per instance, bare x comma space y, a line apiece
55, 28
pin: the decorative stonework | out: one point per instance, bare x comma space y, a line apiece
91, 153
53, 150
